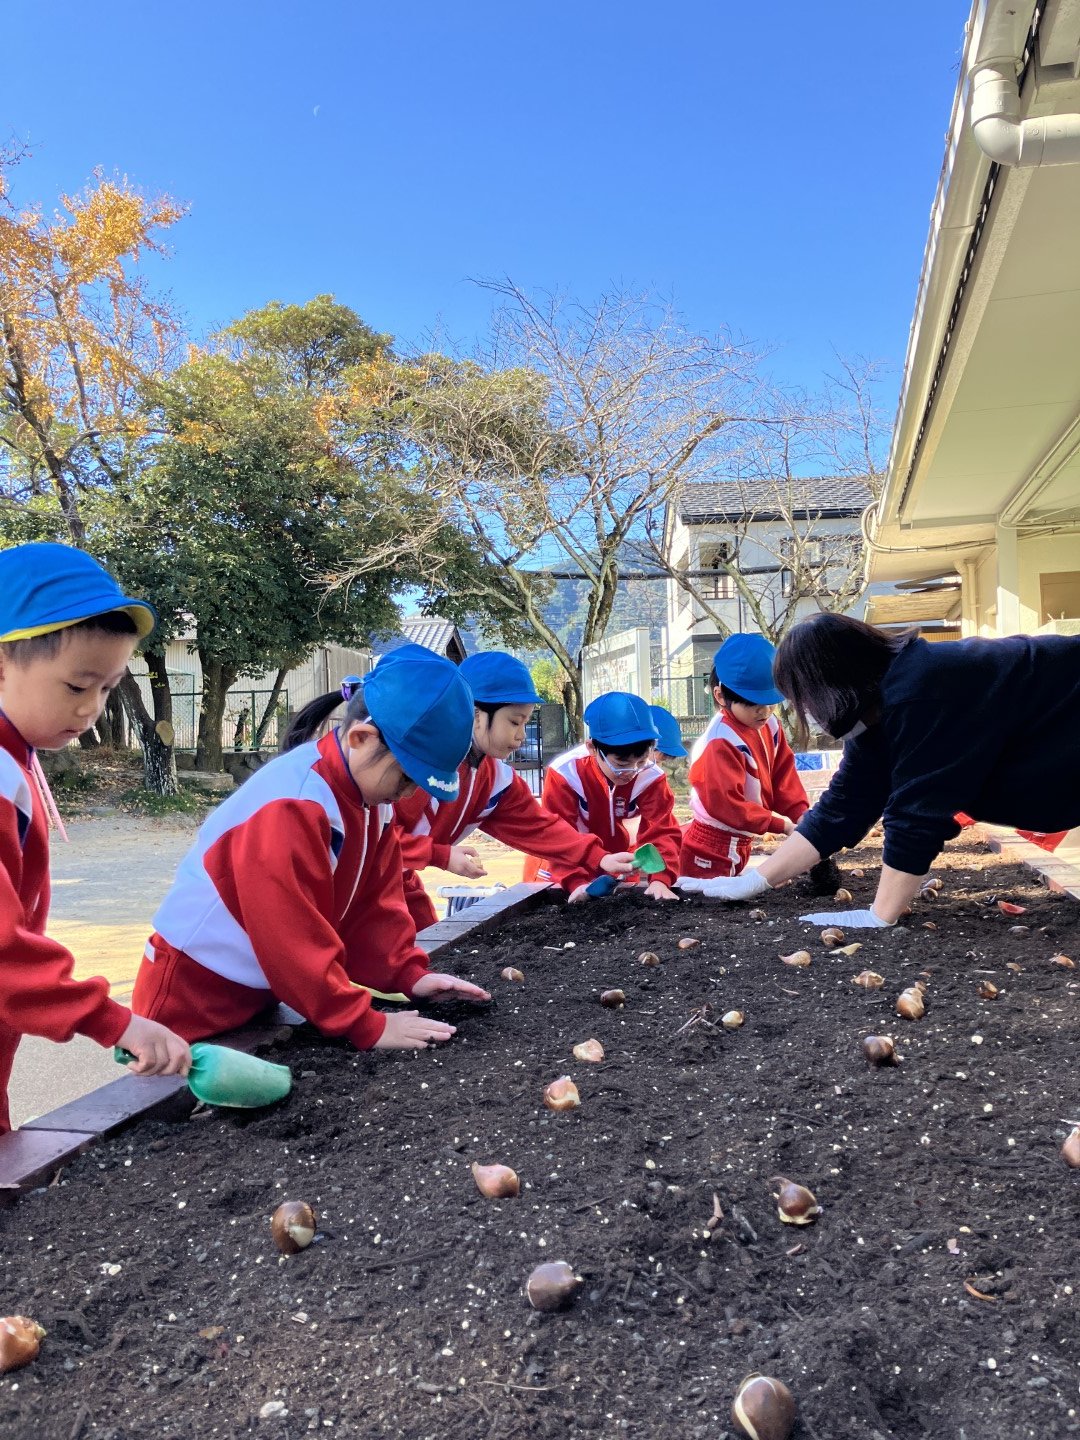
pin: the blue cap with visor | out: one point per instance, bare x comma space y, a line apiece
667, 728
46, 587
619, 718
744, 664
496, 678
424, 711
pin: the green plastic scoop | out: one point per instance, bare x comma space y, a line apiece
220, 1076
648, 860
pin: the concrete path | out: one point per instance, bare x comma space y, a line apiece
107, 883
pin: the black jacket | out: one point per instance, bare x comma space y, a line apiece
989, 727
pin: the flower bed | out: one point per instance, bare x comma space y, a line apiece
933, 1295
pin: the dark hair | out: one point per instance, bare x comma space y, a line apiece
489, 708
831, 667
635, 751
732, 697
44, 647
307, 723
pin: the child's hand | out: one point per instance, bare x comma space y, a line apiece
621, 863
157, 1051
433, 986
406, 1030
657, 890
789, 825
466, 862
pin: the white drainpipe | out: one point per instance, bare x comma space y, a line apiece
995, 107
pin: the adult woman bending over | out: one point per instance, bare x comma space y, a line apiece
987, 727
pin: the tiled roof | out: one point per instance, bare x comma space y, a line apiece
427, 630
828, 497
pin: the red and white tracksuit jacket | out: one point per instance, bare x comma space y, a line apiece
495, 799
578, 792
37, 993
291, 891
739, 776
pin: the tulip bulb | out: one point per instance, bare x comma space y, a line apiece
794, 1203
732, 1019
880, 1049
1063, 962
20, 1341
757, 915
1070, 1151
562, 1094
764, 1408
510, 973
831, 936
987, 990
911, 1004
552, 1286
648, 957
496, 1182
612, 999
798, 958
869, 980
852, 949
589, 1050
843, 897
293, 1225
689, 942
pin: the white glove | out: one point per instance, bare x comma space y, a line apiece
746, 886
852, 919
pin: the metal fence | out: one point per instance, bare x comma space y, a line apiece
243, 711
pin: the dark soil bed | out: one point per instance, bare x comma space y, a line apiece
171, 1315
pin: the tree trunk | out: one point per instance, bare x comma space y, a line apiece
217, 681
159, 761
574, 701
112, 723
268, 712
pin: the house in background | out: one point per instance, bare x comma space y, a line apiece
979, 516
430, 631
795, 544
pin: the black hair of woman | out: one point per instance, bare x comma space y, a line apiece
831, 667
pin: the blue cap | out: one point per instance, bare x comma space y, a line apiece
496, 678
667, 727
424, 710
744, 664
46, 587
620, 719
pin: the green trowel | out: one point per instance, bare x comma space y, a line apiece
220, 1076
648, 860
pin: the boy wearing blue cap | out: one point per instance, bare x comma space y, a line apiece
292, 890
491, 796
743, 781
598, 786
669, 741
67, 633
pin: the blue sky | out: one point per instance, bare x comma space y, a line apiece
768, 166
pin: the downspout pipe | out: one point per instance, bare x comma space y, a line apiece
995, 108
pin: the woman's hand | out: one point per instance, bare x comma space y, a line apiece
407, 1030
434, 986
747, 886
466, 862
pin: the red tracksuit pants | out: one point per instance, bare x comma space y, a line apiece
711, 854
9, 1043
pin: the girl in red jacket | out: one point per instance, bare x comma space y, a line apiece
599, 786
292, 890
67, 632
491, 796
743, 781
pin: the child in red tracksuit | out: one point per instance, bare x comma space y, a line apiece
597, 787
743, 781
292, 890
491, 797
67, 632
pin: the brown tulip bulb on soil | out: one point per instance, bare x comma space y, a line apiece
764, 1409
612, 999
831, 936
689, 942
757, 915
911, 1004
868, 979
552, 1286
795, 1204
589, 1050
732, 1019
510, 973
293, 1225
987, 990
20, 1341
562, 1094
1070, 1151
1063, 962
879, 1049
798, 959
497, 1182
852, 949
843, 897
648, 957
